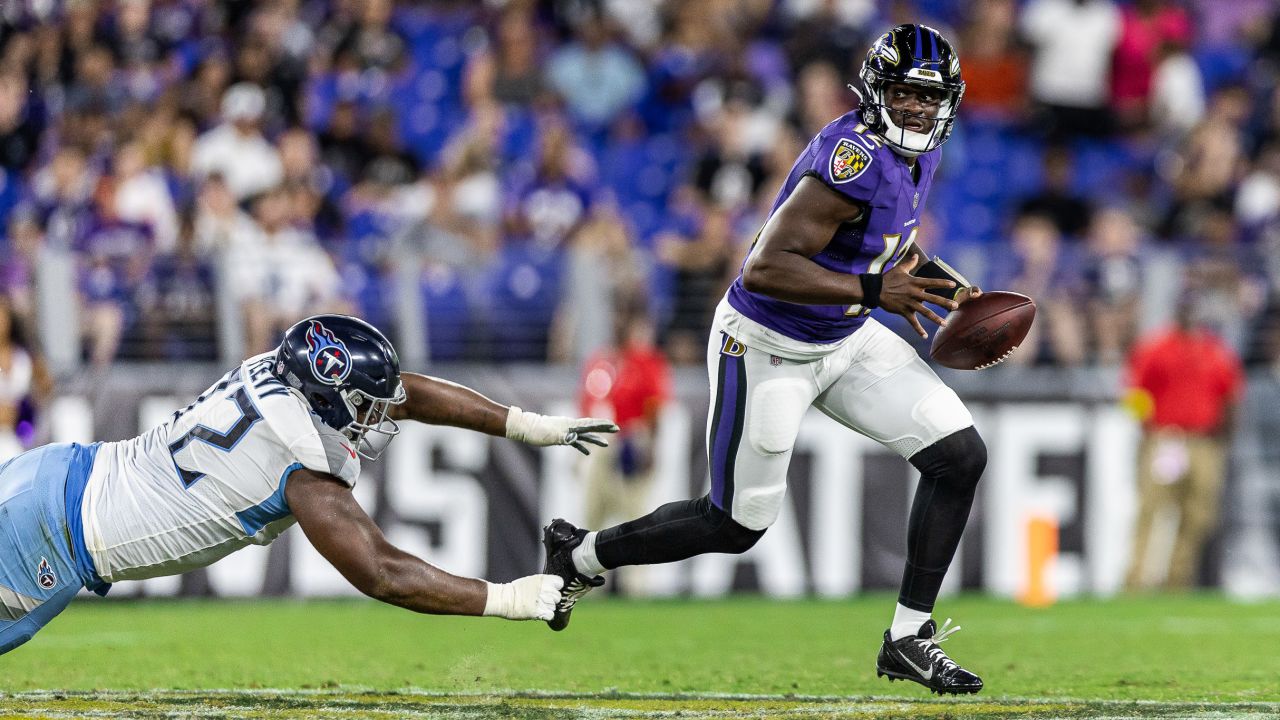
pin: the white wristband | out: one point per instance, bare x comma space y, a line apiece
500, 600
528, 598
517, 424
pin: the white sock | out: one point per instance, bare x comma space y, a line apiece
905, 621
584, 557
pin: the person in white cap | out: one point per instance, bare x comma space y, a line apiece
236, 149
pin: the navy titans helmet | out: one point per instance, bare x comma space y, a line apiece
348, 373
914, 55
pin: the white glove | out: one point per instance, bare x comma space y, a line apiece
529, 598
543, 430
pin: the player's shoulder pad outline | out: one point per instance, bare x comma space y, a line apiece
849, 160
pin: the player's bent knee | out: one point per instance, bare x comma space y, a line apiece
730, 536
777, 407
757, 508
961, 457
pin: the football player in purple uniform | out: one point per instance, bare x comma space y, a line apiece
794, 331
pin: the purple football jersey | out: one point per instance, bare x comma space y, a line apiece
853, 161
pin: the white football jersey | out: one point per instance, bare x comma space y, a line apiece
208, 481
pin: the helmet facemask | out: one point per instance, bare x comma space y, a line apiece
878, 114
371, 428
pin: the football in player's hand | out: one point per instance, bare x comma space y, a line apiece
983, 331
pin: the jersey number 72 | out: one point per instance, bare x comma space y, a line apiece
224, 441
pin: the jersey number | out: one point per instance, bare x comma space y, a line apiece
224, 441
894, 248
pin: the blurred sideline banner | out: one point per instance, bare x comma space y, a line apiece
475, 505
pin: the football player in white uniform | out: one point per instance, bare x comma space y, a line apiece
277, 440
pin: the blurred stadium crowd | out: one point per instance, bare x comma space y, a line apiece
532, 162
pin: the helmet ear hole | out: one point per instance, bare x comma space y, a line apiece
319, 402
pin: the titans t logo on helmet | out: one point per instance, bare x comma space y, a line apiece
329, 359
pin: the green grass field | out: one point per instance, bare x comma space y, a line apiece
1194, 657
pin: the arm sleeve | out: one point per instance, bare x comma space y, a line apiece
846, 165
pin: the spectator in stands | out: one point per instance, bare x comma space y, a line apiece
94, 83
821, 96
702, 265
510, 69
342, 146
1070, 211
1184, 384
1226, 274
282, 274
830, 32
1258, 199
18, 259
605, 269
686, 56
995, 66
1146, 26
221, 229
236, 149
143, 196
176, 301
547, 201
168, 140
383, 142
465, 219
20, 123
25, 384
61, 192
1073, 41
1040, 271
1112, 276
115, 256
731, 167
1177, 91
628, 383
597, 77
202, 95
1209, 163
372, 43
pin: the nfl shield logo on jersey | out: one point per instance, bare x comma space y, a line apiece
848, 161
329, 357
45, 576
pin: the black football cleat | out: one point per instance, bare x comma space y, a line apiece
560, 538
919, 659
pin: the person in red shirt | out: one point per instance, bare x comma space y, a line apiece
1184, 384
1146, 26
628, 384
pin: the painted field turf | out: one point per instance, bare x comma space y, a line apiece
1197, 656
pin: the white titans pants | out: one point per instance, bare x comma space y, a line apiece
875, 384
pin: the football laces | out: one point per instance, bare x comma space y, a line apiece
998, 360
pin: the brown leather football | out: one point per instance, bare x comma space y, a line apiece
983, 331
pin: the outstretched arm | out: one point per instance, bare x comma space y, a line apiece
347, 537
440, 402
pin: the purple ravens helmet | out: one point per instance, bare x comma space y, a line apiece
913, 55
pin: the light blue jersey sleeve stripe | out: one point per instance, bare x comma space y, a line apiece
268, 511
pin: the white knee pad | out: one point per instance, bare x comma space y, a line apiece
756, 508
777, 407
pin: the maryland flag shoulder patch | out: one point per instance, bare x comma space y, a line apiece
848, 161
